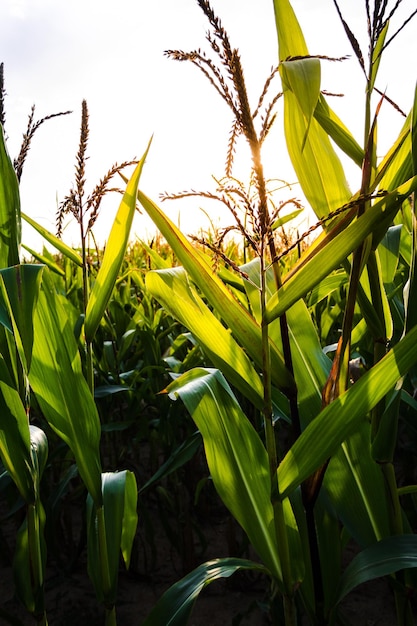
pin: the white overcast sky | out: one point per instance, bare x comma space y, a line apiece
57, 53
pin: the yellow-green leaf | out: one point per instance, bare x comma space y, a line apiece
113, 255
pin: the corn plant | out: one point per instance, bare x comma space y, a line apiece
299, 503
40, 358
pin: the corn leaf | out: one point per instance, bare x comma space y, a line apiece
175, 606
353, 476
44, 260
245, 329
173, 290
10, 220
29, 574
19, 288
344, 415
65, 250
315, 162
177, 459
57, 379
15, 449
119, 496
414, 133
335, 250
113, 255
381, 559
236, 457
335, 128
311, 366
377, 55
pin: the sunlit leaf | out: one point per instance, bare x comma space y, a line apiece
315, 162
245, 329
236, 457
10, 222
21, 284
57, 379
340, 418
333, 251
65, 250
173, 290
113, 255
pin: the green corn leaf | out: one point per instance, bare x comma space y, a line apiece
119, 502
315, 162
57, 379
396, 167
377, 55
177, 459
15, 448
19, 290
172, 289
335, 128
344, 415
388, 251
113, 255
244, 328
158, 261
353, 476
333, 251
65, 250
45, 260
236, 457
29, 560
286, 218
10, 220
381, 559
414, 133
30, 552
311, 366
302, 78
175, 606
326, 287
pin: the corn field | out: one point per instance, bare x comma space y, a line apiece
251, 366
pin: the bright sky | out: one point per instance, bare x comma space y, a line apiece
57, 52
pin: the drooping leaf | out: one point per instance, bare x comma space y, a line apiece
245, 329
172, 289
236, 457
315, 162
385, 557
175, 606
113, 255
353, 476
335, 128
181, 455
